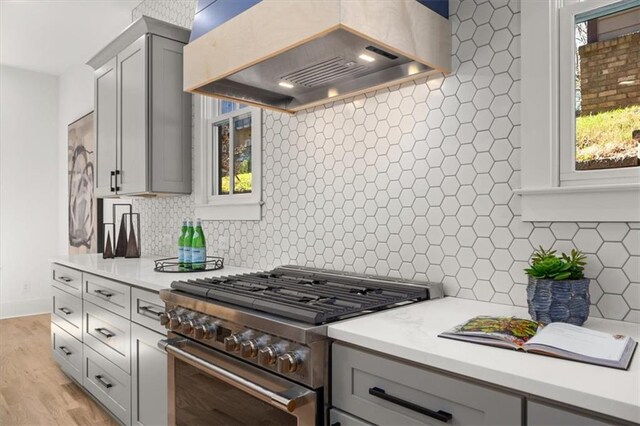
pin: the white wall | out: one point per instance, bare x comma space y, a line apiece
29, 173
75, 91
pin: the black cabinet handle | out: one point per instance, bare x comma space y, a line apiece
103, 293
65, 311
112, 175
151, 311
65, 279
117, 173
443, 416
103, 382
66, 351
106, 333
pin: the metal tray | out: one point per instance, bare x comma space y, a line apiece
171, 264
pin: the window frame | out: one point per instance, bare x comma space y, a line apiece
546, 193
569, 176
208, 204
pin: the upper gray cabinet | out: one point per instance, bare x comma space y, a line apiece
143, 117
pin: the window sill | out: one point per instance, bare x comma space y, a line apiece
231, 211
601, 203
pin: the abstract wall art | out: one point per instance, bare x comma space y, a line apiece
83, 205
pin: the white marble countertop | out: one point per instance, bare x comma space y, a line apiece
411, 333
138, 272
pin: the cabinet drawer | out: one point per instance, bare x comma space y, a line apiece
108, 334
539, 414
110, 385
146, 307
108, 294
67, 352
66, 312
66, 279
388, 392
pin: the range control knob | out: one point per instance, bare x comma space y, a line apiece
174, 320
232, 343
288, 363
205, 330
188, 325
268, 356
249, 349
164, 319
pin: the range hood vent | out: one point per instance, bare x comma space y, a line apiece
324, 72
292, 55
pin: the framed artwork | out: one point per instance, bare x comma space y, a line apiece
84, 208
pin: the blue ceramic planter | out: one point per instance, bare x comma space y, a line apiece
559, 301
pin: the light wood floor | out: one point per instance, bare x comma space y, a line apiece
33, 390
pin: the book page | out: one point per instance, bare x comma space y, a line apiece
514, 331
580, 340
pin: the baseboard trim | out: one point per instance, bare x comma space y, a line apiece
23, 308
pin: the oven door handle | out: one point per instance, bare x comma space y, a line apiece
284, 402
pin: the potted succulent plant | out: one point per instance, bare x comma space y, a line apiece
558, 290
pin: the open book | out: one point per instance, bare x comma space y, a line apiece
556, 339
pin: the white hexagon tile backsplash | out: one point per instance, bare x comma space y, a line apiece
414, 181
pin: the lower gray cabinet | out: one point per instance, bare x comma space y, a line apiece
148, 378
108, 384
383, 391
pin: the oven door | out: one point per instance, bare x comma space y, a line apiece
207, 387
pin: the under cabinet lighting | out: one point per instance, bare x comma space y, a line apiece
286, 85
367, 58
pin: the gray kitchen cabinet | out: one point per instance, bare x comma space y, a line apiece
539, 414
105, 91
104, 335
384, 391
148, 377
142, 114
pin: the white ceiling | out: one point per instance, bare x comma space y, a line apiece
51, 36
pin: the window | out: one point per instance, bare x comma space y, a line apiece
580, 109
228, 160
599, 92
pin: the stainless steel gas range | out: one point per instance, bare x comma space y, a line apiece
253, 348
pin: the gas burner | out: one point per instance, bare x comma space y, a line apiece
312, 296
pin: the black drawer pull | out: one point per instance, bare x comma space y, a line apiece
336, 424
65, 279
151, 311
106, 333
103, 382
66, 351
443, 416
103, 293
65, 311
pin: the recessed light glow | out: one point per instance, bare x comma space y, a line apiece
333, 92
413, 69
627, 82
367, 58
286, 85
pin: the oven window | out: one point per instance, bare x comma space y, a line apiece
202, 400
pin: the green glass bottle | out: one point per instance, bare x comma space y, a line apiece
183, 231
188, 237
198, 247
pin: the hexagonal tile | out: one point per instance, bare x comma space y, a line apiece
632, 269
632, 242
612, 254
587, 240
613, 306
632, 296
612, 231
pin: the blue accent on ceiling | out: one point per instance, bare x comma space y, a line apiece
213, 13
441, 7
